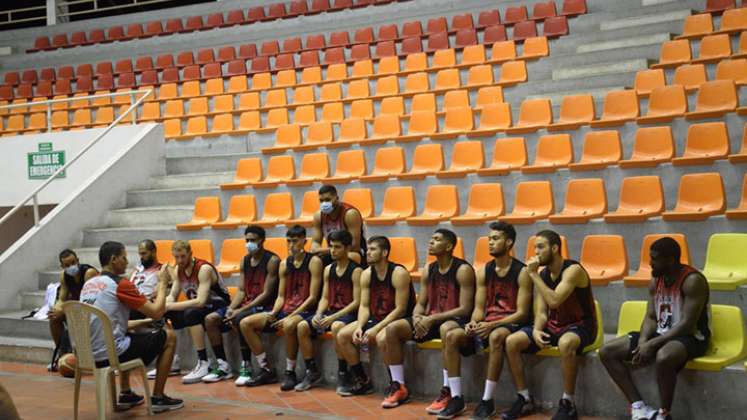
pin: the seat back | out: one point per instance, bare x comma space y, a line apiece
513, 72
399, 201
392, 105
473, 54
488, 95
278, 206
362, 109
314, 166
602, 147
535, 112
674, 52
448, 79
386, 126
403, 251
485, 199
554, 150
163, 251
509, 152
319, 133
202, 249
458, 120
281, 168
78, 316
653, 143
417, 82
620, 104
207, 209
641, 194
350, 163
698, 25
690, 76
648, 80
243, 207
288, 135
467, 155
424, 102
428, 158
495, 116
232, 251
442, 200
577, 109
361, 199
389, 161
480, 75
714, 47
352, 130
604, 256
667, 101
586, 197
735, 70
717, 95
700, 193
310, 204
534, 197
707, 140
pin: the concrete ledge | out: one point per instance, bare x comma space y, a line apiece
655, 39
677, 15
601, 69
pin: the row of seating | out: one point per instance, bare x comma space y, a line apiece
513, 16
604, 257
236, 71
82, 118
691, 76
700, 25
713, 48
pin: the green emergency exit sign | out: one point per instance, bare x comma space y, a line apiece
42, 164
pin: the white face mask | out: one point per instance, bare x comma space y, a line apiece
252, 247
73, 270
326, 207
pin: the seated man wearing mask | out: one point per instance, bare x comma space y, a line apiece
333, 215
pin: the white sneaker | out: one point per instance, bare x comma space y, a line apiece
200, 370
245, 374
221, 371
175, 368
643, 412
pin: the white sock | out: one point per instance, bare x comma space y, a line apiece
262, 360
398, 373
524, 393
568, 397
637, 404
446, 377
290, 364
455, 384
489, 390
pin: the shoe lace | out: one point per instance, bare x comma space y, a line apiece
444, 394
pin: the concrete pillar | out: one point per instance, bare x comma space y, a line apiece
51, 12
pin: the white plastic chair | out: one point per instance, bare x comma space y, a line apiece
78, 316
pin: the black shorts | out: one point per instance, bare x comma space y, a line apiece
345, 319
476, 345
195, 316
282, 315
693, 346
372, 322
234, 324
434, 333
146, 346
583, 333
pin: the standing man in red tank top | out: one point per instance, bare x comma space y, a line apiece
387, 295
564, 317
333, 215
337, 307
447, 293
674, 330
503, 305
300, 280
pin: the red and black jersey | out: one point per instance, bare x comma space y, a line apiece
443, 289
340, 288
668, 302
501, 292
190, 283
330, 225
297, 283
255, 276
578, 308
383, 294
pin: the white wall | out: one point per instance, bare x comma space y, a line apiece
138, 157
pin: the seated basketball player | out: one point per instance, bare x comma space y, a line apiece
503, 304
73, 275
387, 295
335, 215
256, 293
447, 292
564, 316
675, 330
117, 296
337, 307
205, 293
300, 281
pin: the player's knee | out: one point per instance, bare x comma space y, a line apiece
516, 342
303, 329
666, 360
170, 337
336, 328
381, 339
496, 340
453, 337
212, 319
568, 344
609, 352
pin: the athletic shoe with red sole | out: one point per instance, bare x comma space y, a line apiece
440, 402
396, 395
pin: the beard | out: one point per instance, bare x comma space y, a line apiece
147, 263
658, 272
499, 253
545, 260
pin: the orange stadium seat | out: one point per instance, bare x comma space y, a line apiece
286, 137
309, 206
362, 108
601, 149
665, 104
318, 134
715, 98
333, 112
604, 258
404, 252
392, 105
641, 197
473, 55
242, 210
648, 80
454, 99
740, 212
466, 157
427, 160
171, 128
585, 199
502, 51
700, 196
203, 249
691, 76
480, 75
388, 163
533, 201
447, 79
485, 203
458, 121
231, 253
488, 95
278, 207
673, 53
493, 118
361, 199
314, 168
697, 26
352, 130
424, 102
398, 205
642, 277
280, 169
206, 212
735, 70
421, 124
163, 251
304, 115
553, 151
733, 21
575, 111
714, 48
706, 142
509, 154
512, 72
533, 115
536, 47
385, 127
652, 146
482, 253
441, 204
620, 106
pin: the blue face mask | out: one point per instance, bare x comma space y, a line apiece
72, 271
252, 247
326, 207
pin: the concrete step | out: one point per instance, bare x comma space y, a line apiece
170, 196
196, 165
601, 69
622, 10
597, 94
32, 300
11, 325
568, 59
548, 86
149, 216
26, 350
569, 43
656, 39
47, 277
677, 16
208, 179
133, 235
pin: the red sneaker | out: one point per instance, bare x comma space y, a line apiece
440, 402
396, 395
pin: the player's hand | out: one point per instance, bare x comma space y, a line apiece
469, 328
643, 354
541, 338
422, 326
54, 314
358, 335
326, 322
482, 330
316, 321
533, 264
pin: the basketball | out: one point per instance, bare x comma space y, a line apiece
66, 365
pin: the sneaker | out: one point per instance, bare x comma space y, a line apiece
221, 371
289, 382
264, 377
566, 411
201, 369
127, 400
363, 388
520, 408
164, 403
485, 410
344, 384
312, 377
245, 374
396, 394
659, 415
453, 408
644, 412
440, 402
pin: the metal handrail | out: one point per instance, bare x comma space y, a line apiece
34, 195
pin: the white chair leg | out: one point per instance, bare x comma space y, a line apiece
77, 393
146, 390
102, 390
113, 389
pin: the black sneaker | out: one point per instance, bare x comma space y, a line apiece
264, 377
363, 387
520, 408
289, 382
312, 377
453, 408
345, 384
484, 410
127, 400
164, 403
566, 411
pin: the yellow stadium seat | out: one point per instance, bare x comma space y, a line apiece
725, 267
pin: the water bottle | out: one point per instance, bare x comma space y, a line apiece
365, 355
